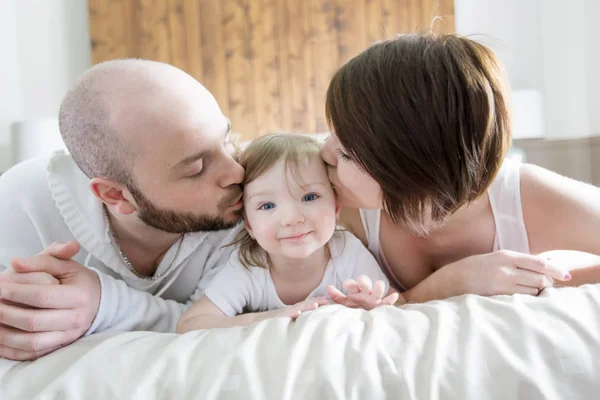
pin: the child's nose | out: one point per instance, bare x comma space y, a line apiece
293, 216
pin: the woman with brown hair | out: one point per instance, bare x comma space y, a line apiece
421, 126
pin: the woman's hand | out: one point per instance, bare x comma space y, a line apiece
502, 272
362, 294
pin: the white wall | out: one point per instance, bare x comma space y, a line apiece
592, 13
547, 45
11, 99
48, 47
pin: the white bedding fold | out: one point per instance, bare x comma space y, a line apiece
468, 347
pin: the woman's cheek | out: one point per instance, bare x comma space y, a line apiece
365, 188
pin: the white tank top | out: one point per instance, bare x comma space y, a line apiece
505, 199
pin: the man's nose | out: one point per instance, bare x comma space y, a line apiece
233, 173
327, 153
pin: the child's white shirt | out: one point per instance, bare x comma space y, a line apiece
236, 289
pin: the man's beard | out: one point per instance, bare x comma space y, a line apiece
185, 222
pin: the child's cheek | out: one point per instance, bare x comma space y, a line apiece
268, 232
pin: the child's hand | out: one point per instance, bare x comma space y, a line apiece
296, 310
362, 294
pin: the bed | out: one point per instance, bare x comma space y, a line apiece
467, 347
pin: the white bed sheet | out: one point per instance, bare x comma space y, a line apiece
468, 347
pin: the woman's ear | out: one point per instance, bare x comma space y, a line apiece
113, 194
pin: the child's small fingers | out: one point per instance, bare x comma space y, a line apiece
332, 291
391, 299
364, 300
379, 289
351, 286
336, 296
365, 284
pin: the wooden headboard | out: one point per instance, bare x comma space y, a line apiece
268, 62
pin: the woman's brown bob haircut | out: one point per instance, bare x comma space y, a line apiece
427, 116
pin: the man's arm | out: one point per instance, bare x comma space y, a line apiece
36, 319
39, 315
123, 308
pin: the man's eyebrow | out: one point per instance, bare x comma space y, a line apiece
201, 154
191, 159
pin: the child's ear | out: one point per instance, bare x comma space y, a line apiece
248, 227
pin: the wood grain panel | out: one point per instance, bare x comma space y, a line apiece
214, 76
401, 10
267, 62
413, 11
297, 67
149, 29
184, 36
351, 28
325, 53
108, 30
265, 47
390, 18
446, 14
373, 24
429, 9
239, 57
178, 37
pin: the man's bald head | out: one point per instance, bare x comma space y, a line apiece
158, 132
112, 105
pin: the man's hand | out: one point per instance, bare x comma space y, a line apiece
39, 315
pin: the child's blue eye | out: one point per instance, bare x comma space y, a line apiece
266, 206
310, 197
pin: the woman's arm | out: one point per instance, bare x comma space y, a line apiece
561, 214
501, 272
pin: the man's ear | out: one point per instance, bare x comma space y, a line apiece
113, 194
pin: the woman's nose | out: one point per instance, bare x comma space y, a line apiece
327, 153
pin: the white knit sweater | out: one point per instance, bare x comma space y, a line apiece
48, 199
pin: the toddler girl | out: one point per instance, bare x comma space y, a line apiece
290, 253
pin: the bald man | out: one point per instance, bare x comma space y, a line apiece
142, 207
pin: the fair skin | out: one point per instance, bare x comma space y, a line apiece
183, 161
456, 257
292, 220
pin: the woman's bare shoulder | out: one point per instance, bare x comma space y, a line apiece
559, 212
350, 219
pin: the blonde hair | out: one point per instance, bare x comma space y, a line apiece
260, 156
